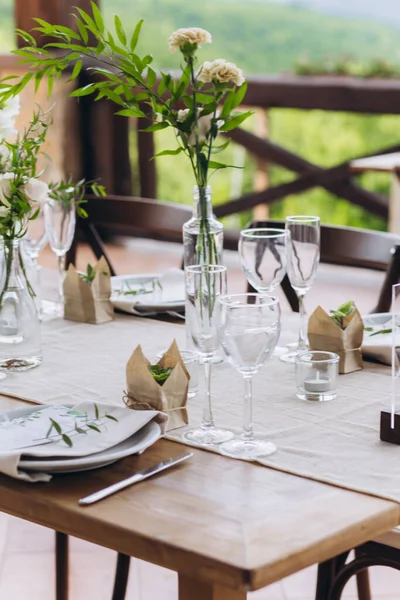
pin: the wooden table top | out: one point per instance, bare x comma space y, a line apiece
213, 519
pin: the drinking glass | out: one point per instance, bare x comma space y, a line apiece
60, 222
204, 285
36, 236
263, 256
303, 260
249, 330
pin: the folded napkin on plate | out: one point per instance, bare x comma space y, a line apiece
170, 291
379, 347
26, 435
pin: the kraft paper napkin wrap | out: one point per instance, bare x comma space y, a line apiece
143, 392
325, 334
88, 303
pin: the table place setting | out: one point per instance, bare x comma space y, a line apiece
36, 442
148, 295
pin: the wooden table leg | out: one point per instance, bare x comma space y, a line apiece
192, 589
61, 566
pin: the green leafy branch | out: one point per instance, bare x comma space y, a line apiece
92, 424
67, 192
90, 274
127, 78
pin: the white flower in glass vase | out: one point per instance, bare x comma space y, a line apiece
221, 71
8, 111
188, 39
203, 126
36, 191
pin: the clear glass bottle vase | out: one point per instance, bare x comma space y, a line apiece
203, 233
20, 340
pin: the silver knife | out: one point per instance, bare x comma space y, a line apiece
139, 476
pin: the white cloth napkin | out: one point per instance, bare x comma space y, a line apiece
172, 291
26, 435
379, 347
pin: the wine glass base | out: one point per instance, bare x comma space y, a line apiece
247, 449
19, 364
207, 437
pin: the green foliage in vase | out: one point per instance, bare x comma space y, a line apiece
187, 105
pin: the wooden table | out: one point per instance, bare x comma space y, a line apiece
225, 526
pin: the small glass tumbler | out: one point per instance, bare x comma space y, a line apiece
316, 375
191, 361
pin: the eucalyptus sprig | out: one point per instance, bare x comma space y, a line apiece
66, 192
93, 424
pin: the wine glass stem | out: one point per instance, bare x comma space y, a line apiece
61, 271
208, 421
302, 344
248, 410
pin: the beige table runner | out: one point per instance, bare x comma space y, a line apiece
335, 442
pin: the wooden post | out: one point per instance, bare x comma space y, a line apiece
53, 11
261, 179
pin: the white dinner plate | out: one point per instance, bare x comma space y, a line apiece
377, 320
138, 442
160, 300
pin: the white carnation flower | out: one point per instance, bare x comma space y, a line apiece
188, 35
203, 125
12, 106
5, 189
8, 111
36, 191
3, 211
221, 71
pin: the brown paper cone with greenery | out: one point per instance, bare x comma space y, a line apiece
87, 296
325, 334
143, 392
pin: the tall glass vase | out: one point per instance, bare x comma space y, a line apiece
20, 342
203, 233
203, 237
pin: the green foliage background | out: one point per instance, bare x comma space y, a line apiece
263, 37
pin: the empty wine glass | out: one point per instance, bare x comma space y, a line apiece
60, 222
263, 256
204, 284
303, 260
36, 237
249, 331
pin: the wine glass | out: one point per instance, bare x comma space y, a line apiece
36, 236
204, 284
263, 256
303, 260
249, 330
60, 219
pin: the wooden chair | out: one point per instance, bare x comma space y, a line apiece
126, 215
